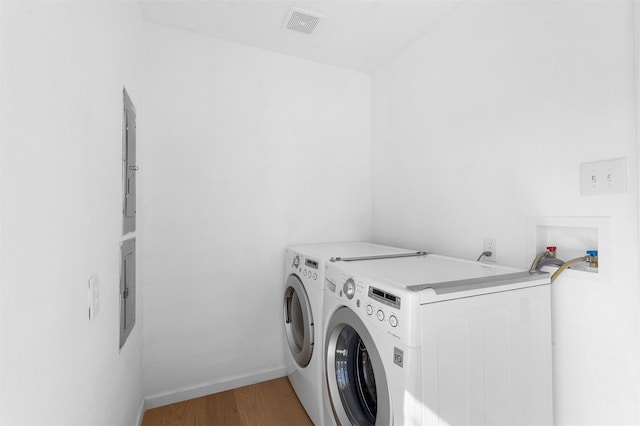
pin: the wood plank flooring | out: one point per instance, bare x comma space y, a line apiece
271, 403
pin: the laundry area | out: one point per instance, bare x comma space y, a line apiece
415, 212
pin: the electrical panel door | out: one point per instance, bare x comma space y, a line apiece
127, 288
130, 168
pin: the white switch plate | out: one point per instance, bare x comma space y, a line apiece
604, 177
94, 297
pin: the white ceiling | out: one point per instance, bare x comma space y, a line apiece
355, 34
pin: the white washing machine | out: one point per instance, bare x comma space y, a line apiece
303, 296
433, 340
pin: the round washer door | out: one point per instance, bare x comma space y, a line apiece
357, 383
298, 321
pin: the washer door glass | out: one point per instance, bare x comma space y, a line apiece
355, 373
298, 321
355, 378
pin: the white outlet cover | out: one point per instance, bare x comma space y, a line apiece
489, 244
604, 177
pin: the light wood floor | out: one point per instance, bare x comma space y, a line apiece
271, 403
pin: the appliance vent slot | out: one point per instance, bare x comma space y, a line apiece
301, 20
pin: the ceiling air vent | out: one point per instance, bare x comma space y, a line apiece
301, 20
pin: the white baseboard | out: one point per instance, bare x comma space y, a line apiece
141, 411
183, 394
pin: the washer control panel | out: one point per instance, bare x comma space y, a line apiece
304, 266
380, 307
309, 274
383, 299
379, 304
310, 263
383, 310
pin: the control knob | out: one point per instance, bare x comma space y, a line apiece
349, 288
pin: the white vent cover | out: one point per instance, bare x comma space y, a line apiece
301, 20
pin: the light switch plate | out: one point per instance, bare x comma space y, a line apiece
603, 177
94, 296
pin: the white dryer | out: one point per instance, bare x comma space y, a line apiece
303, 297
434, 340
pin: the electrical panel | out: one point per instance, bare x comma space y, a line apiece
129, 166
127, 288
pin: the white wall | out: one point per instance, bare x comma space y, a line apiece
636, 27
245, 152
64, 65
1, 167
484, 122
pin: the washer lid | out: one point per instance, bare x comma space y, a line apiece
446, 290
434, 278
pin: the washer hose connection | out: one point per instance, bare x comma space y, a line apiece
588, 258
549, 254
549, 258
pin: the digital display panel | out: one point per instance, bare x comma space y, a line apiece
384, 297
311, 263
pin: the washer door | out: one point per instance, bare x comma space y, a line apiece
357, 383
298, 321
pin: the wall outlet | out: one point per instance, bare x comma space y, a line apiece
603, 177
489, 244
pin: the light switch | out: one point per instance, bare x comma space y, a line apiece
94, 297
603, 177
